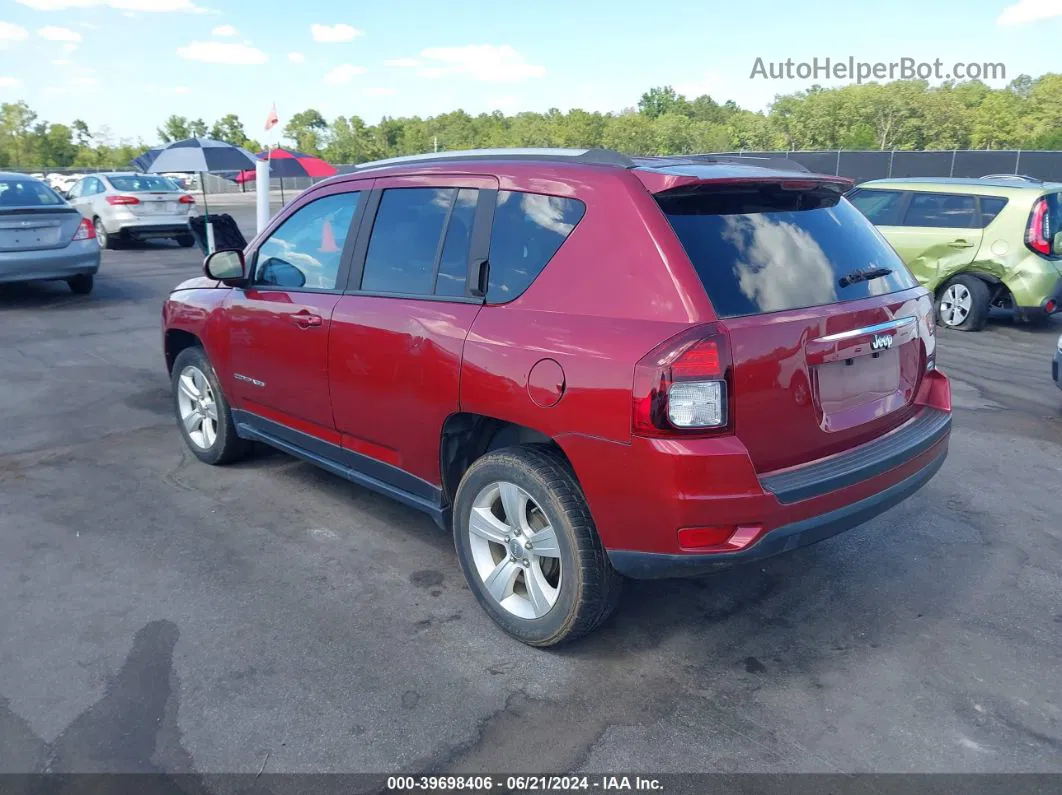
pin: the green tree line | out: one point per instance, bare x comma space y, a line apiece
908, 115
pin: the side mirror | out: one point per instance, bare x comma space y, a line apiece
1056, 245
226, 265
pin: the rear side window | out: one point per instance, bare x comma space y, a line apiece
420, 240
941, 210
758, 248
991, 206
881, 207
27, 193
528, 229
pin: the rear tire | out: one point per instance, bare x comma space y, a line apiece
203, 413
560, 588
185, 241
963, 303
105, 240
81, 284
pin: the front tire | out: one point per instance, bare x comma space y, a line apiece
203, 413
529, 549
963, 303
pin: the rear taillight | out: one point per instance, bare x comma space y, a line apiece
682, 387
85, 231
120, 200
186, 199
1037, 234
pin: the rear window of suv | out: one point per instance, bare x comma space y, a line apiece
760, 248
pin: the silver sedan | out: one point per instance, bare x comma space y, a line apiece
124, 206
43, 237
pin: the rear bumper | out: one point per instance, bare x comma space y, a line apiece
1047, 302
145, 230
648, 565
642, 494
81, 256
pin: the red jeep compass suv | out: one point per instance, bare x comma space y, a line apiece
587, 366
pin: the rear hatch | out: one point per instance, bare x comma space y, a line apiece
830, 335
33, 217
156, 196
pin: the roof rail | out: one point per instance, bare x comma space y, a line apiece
598, 157
1019, 177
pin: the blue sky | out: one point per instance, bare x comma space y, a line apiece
127, 64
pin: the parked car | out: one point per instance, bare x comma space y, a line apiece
1056, 365
42, 237
586, 366
128, 206
975, 243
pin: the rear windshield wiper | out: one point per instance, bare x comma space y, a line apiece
864, 276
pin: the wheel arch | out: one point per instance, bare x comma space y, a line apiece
177, 340
467, 436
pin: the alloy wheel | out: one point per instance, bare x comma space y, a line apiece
955, 305
197, 407
515, 550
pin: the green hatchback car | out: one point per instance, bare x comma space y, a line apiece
975, 243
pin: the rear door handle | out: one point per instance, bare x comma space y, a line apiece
960, 243
306, 320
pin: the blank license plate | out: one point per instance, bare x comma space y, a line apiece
29, 238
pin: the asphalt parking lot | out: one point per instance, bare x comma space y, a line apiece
159, 614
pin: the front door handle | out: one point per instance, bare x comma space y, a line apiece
960, 243
306, 320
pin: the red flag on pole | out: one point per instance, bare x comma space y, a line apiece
271, 119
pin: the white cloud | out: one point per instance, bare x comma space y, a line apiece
488, 63
9, 82
222, 52
10, 33
331, 34
61, 62
120, 5
69, 48
402, 63
53, 33
296, 57
84, 81
182, 90
88, 25
1025, 11
379, 91
225, 30
343, 73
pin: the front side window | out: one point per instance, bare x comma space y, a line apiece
528, 230
306, 250
941, 210
881, 207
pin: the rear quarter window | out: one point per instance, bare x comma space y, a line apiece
528, 230
761, 249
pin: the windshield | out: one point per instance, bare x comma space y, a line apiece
760, 248
143, 182
27, 193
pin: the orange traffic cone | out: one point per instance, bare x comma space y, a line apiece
328, 240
